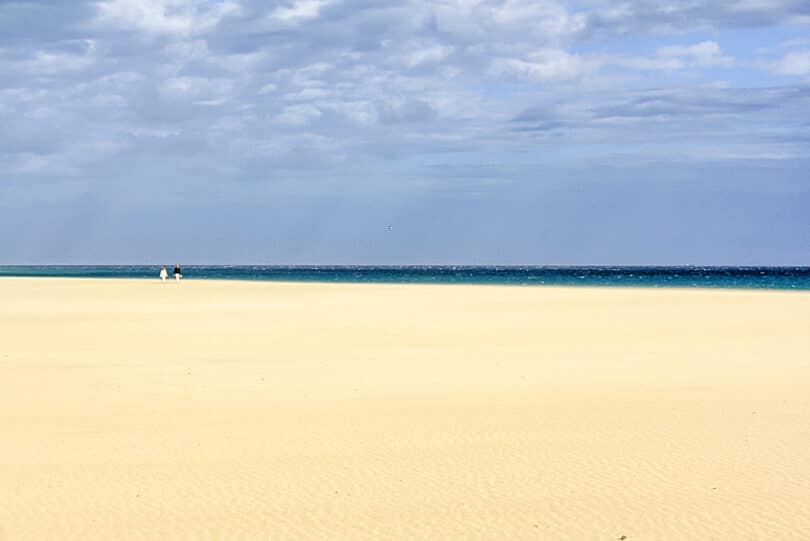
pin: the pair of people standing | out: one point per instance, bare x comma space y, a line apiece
165, 274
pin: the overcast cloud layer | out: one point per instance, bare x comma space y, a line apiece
481, 131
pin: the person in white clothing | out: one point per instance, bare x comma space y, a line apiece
164, 274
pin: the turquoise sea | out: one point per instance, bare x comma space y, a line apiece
717, 277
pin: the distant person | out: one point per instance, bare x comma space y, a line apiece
164, 274
177, 273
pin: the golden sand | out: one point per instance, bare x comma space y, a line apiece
135, 410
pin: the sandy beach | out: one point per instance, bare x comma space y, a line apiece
135, 410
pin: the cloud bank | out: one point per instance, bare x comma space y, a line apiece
337, 116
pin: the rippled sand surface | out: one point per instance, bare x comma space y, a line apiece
235, 410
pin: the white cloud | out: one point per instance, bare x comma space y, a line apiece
609, 17
706, 53
357, 67
640, 63
46, 63
550, 19
427, 55
543, 65
547, 22
396, 111
299, 10
361, 113
242, 63
308, 94
200, 88
185, 51
160, 133
303, 76
793, 63
267, 89
213, 102
298, 115
179, 17
668, 58
56, 61
107, 100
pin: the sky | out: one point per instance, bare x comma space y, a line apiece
595, 132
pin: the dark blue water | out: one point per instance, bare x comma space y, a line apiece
724, 277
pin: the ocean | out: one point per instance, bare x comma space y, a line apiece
688, 277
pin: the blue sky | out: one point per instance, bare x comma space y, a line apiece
482, 131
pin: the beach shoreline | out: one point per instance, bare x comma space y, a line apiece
133, 409
304, 282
